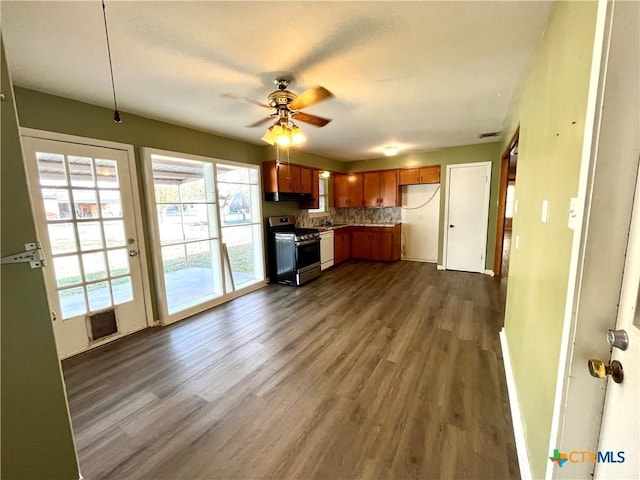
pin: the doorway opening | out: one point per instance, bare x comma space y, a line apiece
506, 207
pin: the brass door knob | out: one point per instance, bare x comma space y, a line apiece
599, 369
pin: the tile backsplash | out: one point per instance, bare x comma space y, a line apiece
352, 215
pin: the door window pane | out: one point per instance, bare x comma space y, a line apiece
118, 262
94, 266
90, 235
114, 233
72, 302
110, 204
56, 204
51, 169
99, 296
121, 289
81, 171
85, 204
62, 238
67, 270
107, 173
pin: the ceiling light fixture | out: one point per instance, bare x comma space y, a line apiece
391, 150
284, 132
325, 174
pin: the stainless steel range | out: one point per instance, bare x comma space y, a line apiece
294, 253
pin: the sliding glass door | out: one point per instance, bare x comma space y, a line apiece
208, 233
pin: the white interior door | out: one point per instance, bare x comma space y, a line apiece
83, 206
620, 430
468, 189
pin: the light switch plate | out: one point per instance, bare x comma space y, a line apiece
517, 242
545, 211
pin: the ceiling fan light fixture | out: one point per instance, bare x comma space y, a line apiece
269, 136
297, 137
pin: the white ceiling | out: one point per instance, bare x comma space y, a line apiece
421, 75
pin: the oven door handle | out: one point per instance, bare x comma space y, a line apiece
307, 242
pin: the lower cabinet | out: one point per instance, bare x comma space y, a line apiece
376, 243
341, 245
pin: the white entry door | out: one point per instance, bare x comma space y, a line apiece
83, 206
620, 430
466, 217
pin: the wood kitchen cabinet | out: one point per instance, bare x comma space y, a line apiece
288, 178
306, 180
314, 189
341, 245
347, 190
381, 189
280, 178
414, 176
376, 243
284, 181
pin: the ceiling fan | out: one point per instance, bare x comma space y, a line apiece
287, 107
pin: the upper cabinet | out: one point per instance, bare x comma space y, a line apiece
381, 188
314, 188
288, 178
306, 180
347, 190
285, 181
413, 176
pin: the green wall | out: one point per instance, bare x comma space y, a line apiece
36, 432
483, 152
551, 113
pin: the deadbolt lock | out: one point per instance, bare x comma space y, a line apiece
599, 369
618, 339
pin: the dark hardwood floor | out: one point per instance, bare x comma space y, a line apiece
373, 370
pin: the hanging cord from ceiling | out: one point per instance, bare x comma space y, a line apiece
425, 203
116, 113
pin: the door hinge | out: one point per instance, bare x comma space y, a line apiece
32, 255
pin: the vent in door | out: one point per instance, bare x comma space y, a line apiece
103, 324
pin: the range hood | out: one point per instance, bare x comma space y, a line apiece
288, 197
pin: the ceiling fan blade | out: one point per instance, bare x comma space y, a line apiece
260, 122
312, 119
246, 99
310, 97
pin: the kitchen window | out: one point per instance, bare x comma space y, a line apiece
323, 196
